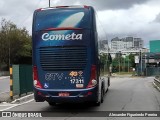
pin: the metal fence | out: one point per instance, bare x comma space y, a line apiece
22, 79
148, 71
152, 71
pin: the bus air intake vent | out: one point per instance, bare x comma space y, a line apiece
63, 58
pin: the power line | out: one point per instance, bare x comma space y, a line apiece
28, 16
101, 25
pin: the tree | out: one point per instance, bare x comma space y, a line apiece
132, 62
15, 43
120, 63
117, 62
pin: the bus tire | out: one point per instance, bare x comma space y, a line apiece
108, 85
109, 82
107, 90
97, 103
102, 94
52, 103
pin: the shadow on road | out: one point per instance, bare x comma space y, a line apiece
74, 110
71, 107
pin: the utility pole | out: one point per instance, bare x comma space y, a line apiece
128, 64
124, 63
119, 66
49, 3
9, 49
141, 60
9, 53
119, 61
145, 64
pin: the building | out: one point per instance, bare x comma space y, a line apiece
138, 43
114, 43
154, 46
127, 43
103, 45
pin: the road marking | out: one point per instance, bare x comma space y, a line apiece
6, 105
17, 105
21, 98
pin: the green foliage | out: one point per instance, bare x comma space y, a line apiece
105, 61
103, 58
131, 58
15, 43
117, 60
123, 63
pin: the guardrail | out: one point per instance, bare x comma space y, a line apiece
157, 82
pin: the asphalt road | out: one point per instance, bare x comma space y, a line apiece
125, 94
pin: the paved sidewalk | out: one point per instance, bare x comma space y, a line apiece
3, 77
4, 94
4, 97
123, 75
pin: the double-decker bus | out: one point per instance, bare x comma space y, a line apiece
66, 64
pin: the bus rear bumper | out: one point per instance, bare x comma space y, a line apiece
85, 95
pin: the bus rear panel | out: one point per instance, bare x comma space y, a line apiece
65, 55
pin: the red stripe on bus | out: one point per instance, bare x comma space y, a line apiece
64, 28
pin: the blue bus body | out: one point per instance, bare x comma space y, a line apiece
65, 55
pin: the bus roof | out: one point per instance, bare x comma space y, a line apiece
57, 7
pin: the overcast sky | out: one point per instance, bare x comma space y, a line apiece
118, 18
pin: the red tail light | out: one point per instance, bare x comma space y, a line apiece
36, 81
63, 28
93, 78
39, 9
61, 6
85, 6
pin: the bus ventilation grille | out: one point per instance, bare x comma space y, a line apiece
63, 58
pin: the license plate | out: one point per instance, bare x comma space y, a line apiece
63, 94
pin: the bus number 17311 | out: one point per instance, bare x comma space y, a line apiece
77, 81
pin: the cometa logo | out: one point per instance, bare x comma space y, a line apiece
73, 36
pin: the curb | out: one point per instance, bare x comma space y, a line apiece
157, 80
156, 86
23, 99
4, 97
3, 77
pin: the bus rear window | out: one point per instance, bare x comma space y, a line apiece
59, 18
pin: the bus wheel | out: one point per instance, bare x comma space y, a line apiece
52, 103
109, 82
97, 103
102, 94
